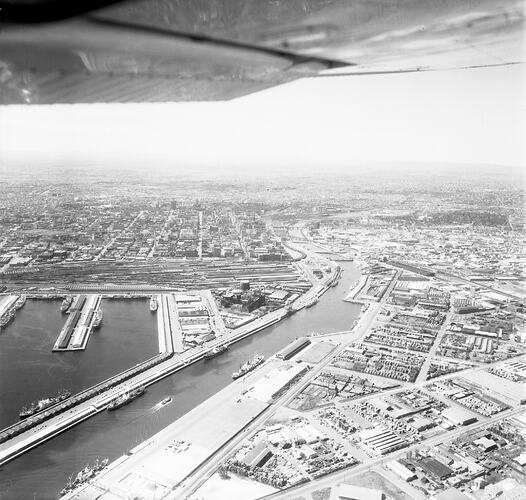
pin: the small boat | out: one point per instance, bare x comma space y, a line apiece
167, 400
153, 304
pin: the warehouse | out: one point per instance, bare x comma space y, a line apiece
459, 416
513, 392
258, 456
381, 441
401, 470
435, 468
293, 348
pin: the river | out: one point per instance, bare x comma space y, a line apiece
28, 371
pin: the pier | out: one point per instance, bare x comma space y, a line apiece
7, 303
8, 306
79, 325
168, 327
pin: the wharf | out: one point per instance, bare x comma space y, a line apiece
168, 327
79, 325
34, 436
7, 302
163, 365
8, 306
216, 320
357, 289
163, 461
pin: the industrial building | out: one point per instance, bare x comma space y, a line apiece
513, 392
401, 470
381, 440
258, 456
293, 348
458, 416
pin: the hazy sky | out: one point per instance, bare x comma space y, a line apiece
468, 116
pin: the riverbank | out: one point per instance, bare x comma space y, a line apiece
108, 434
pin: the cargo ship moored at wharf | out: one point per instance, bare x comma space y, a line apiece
98, 318
66, 304
216, 351
126, 398
43, 404
248, 366
20, 302
84, 475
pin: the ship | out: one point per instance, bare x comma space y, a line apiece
20, 302
312, 302
7, 317
153, 304
216, 351
126, 398
98, 318
66, 304
336, 280
248, 366
84, 475
43, 404
289, 311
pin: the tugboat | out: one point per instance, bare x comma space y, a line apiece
126, 398
215, 351
248, 366
20, 302
98, 318
153, 304
66, 304
35, 407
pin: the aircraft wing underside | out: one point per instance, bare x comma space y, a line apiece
195, 50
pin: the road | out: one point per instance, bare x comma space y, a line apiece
199, 477
436, 344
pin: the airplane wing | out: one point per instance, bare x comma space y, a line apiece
63, 51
